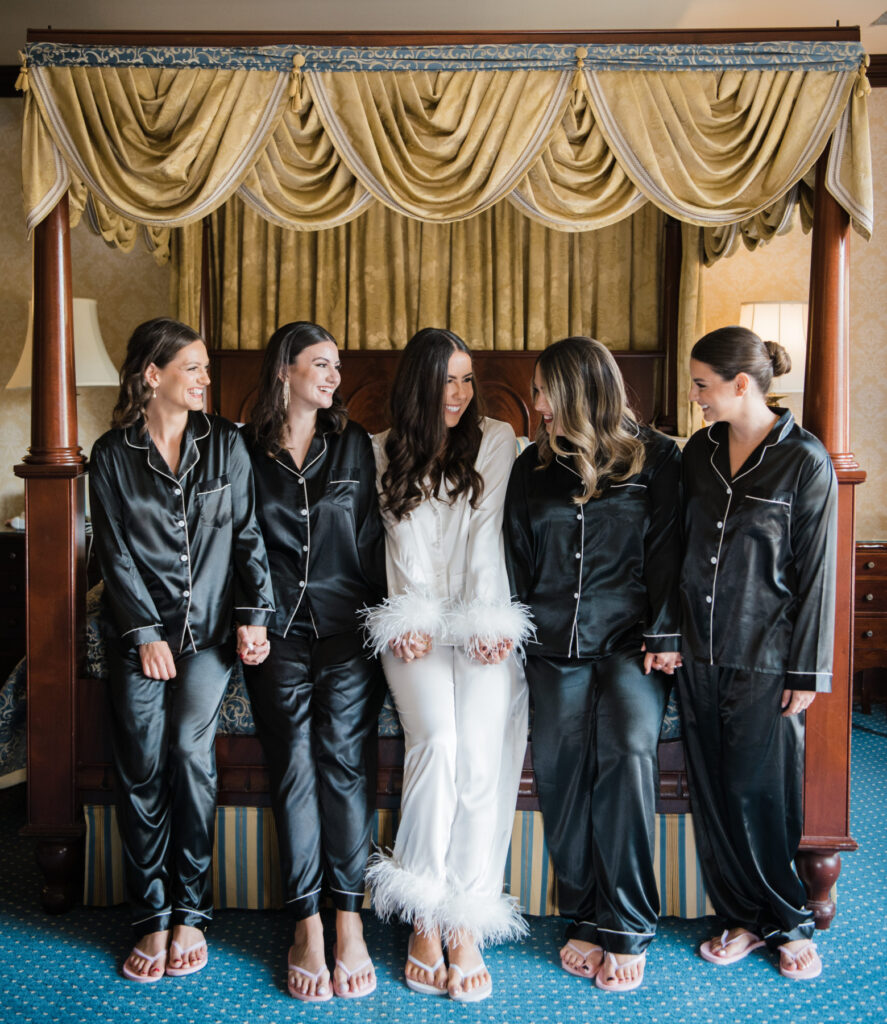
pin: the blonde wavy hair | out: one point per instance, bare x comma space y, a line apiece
591, 422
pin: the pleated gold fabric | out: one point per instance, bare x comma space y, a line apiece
499, 280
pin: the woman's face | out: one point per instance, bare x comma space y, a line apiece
459, 388
314, 377
541, 403
719, 399
182, 383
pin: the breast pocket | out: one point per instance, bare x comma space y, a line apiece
214, 503
765, 518
341, 491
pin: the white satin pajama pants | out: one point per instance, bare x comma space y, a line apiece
465, 732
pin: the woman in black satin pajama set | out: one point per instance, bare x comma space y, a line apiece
599, 572
317, 697
182, 557
758, 595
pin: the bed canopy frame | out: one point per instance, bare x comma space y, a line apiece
54, 467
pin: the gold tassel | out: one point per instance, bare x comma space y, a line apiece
863, 85
578, 75
296, 83
23, 82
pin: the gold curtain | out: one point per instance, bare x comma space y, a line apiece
497, 279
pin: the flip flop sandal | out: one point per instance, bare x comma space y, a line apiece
585, 971
421, 986
320, 995
706, 952
143, 978
475, 995
349, 974
180, 972
808, 973
621, 986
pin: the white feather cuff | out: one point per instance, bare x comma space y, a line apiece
483, 623
397, 617
400, 893
488, 919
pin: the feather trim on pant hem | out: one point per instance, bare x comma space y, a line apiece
489, 919
398, 892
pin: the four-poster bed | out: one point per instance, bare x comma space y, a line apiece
571, 176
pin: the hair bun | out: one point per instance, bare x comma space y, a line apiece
780, 360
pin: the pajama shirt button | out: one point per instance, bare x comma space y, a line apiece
183, 558
304, 511
720, 526
186, 593
714, 561
177, 490
708, 600
578, 554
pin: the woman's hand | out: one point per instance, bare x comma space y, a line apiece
795, 701
411, 646
157, 660
665, 661
490, 654
253, 645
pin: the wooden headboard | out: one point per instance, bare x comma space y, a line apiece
504, 379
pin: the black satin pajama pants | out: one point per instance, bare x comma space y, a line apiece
316, 703
595, 734
163, 735
746, 766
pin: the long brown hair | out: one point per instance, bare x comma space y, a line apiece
155, 341
423, 453
732, 350
587, 397
268, 414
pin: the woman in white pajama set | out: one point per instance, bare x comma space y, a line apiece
447, 634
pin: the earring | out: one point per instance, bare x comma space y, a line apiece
286, 394
153, 392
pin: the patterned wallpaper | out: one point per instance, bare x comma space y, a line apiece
780, 270
129, 288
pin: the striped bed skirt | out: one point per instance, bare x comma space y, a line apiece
246, 870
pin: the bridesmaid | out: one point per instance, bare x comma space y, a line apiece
758, 594
447, 633
592, 542
182, 557
317, 696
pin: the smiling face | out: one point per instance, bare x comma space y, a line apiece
459, 389
720, 400
540, 400
182, 383
314, 377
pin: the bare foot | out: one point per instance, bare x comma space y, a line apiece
582, 957
150, 945
186, 937
805, 955
359, 975
622, 969
425, 946
465, 956
307, 953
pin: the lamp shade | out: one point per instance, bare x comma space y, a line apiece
785, 322
92, 364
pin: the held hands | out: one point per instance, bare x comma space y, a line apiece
253, 645
795, 701
157, 660
490, 654
666, 661
411, 646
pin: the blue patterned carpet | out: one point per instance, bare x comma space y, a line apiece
66, 969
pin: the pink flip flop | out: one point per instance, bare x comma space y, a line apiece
320, 996
705, 950
143, 978
585, 971
808, 973
349, 974
185, 969
621, 986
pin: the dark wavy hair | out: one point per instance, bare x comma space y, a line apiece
155, 341
268, 415
732, 350
423, 453
586, 393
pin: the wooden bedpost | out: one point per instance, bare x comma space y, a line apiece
827, 414
53, 471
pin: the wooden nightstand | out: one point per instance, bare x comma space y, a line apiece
12, 599
870, 622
